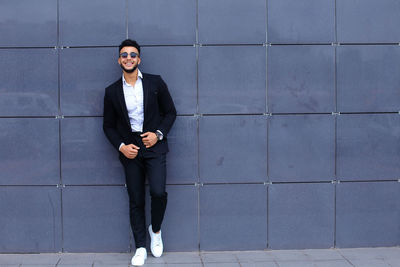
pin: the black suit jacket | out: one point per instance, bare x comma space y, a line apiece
159, 112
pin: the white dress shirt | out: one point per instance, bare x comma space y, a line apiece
134, 102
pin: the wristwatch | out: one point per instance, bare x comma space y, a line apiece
159, 134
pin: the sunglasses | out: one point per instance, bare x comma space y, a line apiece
125, 55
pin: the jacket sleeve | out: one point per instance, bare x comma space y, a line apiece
167, 107
110, 122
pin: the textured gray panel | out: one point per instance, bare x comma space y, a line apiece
301, 216
30, 88
96, 219
232, 79
180, 225
233, 217
177, 66
301, 79
302, 148
232, 21
30, 219
368, 21
162, 22
100, 22
368, 214
368, 78
87, 156
293, 21
85, 72
368, 147
29, 153
233, 148
23, 23
182, 159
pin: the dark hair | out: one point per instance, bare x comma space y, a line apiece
129, 42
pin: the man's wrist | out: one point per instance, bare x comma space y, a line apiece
121, 145
159, 135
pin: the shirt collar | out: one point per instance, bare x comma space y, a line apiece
140, 75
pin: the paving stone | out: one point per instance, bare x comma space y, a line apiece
332, 263
288, 255
176, 257
222, 257
114, 258
173, 264
258, 264
295, 263
323, 254
77, 258
43, 258
254, 256
393, 262
370, 263
221, 264
370, 253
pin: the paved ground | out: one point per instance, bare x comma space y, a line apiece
360, 257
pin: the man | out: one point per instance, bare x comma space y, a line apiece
138, 114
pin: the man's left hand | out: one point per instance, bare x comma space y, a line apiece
149, 139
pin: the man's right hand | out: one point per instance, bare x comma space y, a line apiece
130, 151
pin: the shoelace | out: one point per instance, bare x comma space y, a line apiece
140, 253
157, 240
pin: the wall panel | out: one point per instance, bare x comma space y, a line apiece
155, 22
30, 151
301, 148
301, 216
375, 22
228, 153
96, 219
84, 74
22, 92
368, 214
182, 159
309, 21
92, 23
87, 158
30, 220
181, 221
301, 79
367, 78
23, 24
177, 67
232, 79
233, 21
233, 217
368, 147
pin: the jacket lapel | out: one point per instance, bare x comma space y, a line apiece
121, 99
146, 88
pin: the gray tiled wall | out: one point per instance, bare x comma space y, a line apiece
287, 136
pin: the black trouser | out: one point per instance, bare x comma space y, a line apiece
153, 166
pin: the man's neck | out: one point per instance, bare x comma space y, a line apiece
131, 78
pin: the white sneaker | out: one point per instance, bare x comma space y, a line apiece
139, 257
156, 244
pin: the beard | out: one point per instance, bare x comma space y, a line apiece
129, 70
